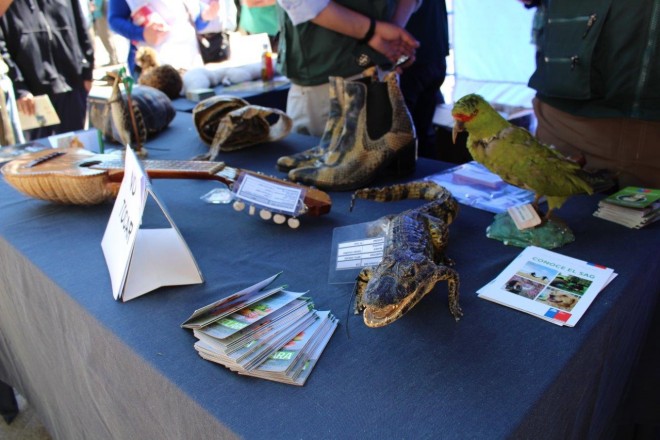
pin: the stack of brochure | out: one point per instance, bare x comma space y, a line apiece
633, 207
272, 334
548, 285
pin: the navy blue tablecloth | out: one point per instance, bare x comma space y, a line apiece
497, 373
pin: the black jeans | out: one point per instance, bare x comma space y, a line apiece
8, 404
420, 85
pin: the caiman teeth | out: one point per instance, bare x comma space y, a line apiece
381, 316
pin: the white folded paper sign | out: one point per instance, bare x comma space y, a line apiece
141, 260
44, 114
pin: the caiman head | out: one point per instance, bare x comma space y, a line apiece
395, 287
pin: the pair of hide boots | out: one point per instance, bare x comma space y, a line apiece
369, 132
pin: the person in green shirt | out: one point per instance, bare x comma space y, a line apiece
260, 16
324, 38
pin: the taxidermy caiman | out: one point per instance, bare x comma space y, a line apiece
414, 258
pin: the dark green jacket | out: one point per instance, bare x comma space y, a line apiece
308, 54
600, 58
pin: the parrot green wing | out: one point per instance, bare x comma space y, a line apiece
515, 155
520, 159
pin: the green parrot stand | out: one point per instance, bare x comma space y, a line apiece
551, 234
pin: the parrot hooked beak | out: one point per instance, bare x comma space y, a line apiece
459, 126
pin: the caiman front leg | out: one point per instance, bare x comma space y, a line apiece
360, 284
453, 283
439, 233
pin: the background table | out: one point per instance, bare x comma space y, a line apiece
97, 368
270, 94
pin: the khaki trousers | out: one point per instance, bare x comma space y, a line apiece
629, 146
308, 107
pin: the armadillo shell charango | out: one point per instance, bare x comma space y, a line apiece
228, 123
153, 113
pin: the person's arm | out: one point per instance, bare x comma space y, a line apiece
404, 9
210, 12
387, 38
119, 19
302, 11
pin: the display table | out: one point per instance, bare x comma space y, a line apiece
96, 368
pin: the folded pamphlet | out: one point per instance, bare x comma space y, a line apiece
548, 285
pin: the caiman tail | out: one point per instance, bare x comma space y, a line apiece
443, 205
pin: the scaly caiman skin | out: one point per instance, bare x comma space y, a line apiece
377, 137
414, 259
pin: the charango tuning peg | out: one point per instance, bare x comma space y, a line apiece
252, 210
293, 223
279, 219
239, 205
265, 214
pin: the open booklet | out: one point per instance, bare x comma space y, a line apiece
548, 285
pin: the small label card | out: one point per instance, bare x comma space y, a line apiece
269, 195
355, 247
141, 260
360, 253
524, 216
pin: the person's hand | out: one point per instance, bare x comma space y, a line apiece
25, 104
87, 84
155, 33
211, 11
394, 42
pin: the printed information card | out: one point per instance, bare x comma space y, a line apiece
548, 285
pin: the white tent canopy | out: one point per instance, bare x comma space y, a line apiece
492, 51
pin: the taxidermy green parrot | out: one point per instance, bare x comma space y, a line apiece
515, 155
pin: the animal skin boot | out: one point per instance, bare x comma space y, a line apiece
378, 137
331, 133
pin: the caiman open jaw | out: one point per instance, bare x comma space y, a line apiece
459, 126
391, 297
380, 316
